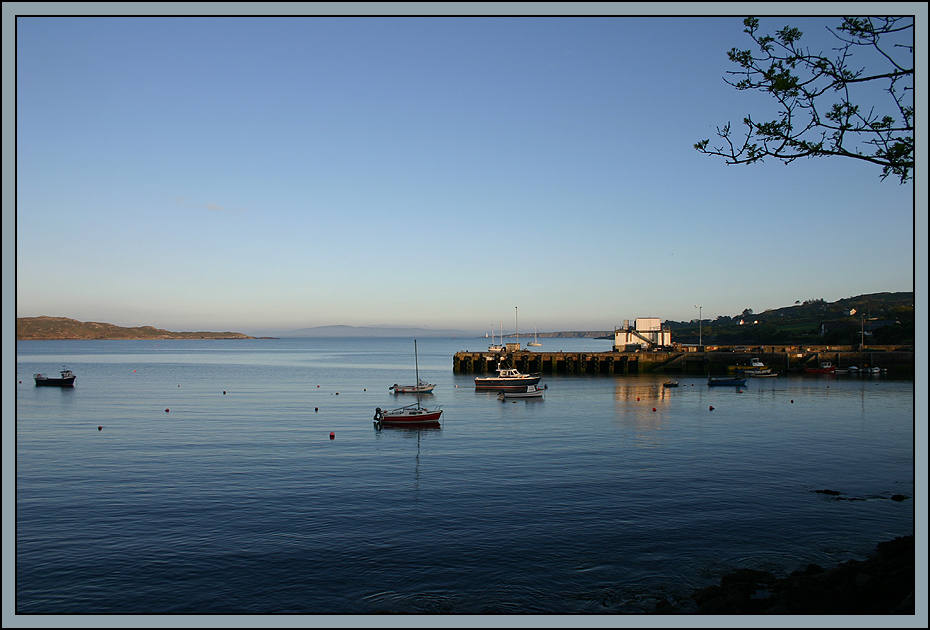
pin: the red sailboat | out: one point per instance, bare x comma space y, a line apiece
409, 415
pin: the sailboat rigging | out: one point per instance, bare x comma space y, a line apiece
535, 342
409, 415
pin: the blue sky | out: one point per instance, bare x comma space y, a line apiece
255, 174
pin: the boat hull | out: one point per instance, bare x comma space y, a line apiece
410, 389
408, 416
55, 382
509, 384
536, 392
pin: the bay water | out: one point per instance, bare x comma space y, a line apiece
246, 477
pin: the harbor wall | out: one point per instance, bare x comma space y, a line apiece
779, 358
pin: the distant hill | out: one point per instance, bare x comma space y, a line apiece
371, 331
63, 328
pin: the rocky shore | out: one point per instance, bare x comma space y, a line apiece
882, 584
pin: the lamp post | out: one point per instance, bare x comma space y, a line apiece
700, 321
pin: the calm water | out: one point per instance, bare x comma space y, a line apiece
605, 496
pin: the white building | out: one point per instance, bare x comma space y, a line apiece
646, 333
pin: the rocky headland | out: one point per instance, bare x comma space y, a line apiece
47, 328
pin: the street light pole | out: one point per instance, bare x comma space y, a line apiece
700, 321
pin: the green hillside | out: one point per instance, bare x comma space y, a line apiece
876, 318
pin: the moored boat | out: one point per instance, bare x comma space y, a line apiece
422, 387
413, 415
535, 343
825, 367
408, 415
507, 378
670, 384
66, 380
755, 365
713, 381
497, 347
536, 392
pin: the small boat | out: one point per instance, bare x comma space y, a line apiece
755, 365
413, 415
535, 343
421, 387
725, 380
497, 347
670, 384
762, 374
536, 392
66, 380
825, 368
507, 378
409, 415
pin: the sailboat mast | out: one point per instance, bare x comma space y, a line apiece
517, 324
416, 365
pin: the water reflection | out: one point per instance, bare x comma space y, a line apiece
410, 432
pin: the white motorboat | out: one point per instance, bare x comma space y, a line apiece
422, 387
536, 392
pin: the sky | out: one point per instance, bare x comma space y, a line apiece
275, 173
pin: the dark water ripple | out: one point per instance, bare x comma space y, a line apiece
604, 497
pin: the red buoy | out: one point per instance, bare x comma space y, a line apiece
653, 408
711, 407
316, 409
100, 428
166, 411
332, 435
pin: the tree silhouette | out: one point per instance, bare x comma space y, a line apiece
812, 124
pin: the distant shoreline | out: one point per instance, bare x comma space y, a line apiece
46, 328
